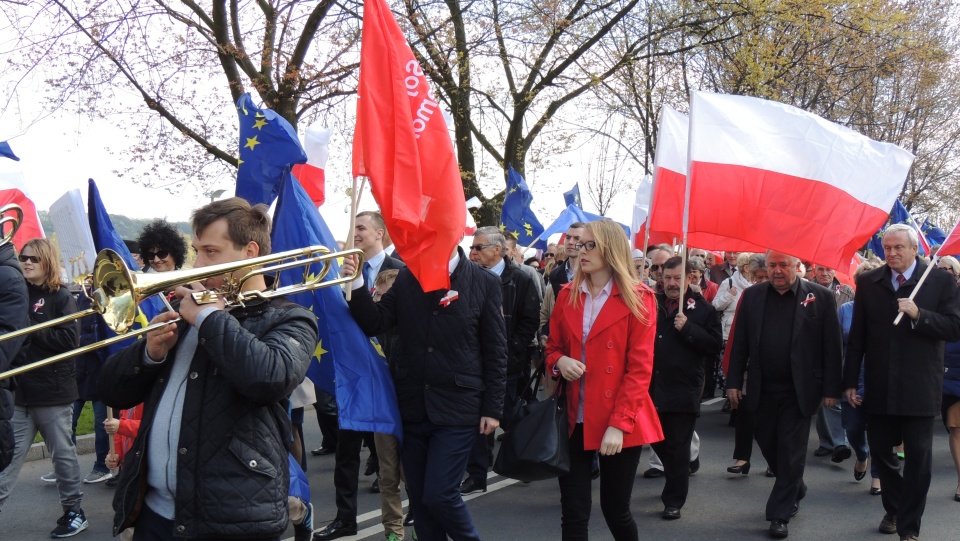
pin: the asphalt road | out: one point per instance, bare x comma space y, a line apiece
721, 506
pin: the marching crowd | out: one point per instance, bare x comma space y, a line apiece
195, 423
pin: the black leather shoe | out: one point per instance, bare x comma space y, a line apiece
375, 487
320, 451
408, 520
841, 453
956, 497
888, 525
859, 475
822, 451
795, 509
695, 466
373, 466
875, 491
769, 473
652, 473
670, 513
470, 486
742, 469
778, 529
335, 530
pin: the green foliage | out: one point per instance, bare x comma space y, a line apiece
128, 228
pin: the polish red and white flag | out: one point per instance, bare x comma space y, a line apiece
779, 177
951, 244
669, 178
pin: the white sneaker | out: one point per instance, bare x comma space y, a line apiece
49, 477
96, 476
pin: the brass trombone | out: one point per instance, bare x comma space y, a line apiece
117, 291
16, 220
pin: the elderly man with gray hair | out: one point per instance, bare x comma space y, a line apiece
521, 313
902, 370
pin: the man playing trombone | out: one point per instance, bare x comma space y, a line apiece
210, 460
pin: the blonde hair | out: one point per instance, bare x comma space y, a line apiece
49, 262
615, 249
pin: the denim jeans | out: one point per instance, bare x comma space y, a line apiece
855, 424
830, 427
102, 440
53, 423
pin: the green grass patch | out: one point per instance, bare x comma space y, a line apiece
84, 423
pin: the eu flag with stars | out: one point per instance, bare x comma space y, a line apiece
268, 147
106, 237
899, 215
344, 356
934, 234
573, 197
516, 216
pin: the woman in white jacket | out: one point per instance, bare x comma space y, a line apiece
730, 290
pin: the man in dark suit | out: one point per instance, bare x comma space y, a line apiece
369, 231
725, 269
903, 370
787, 341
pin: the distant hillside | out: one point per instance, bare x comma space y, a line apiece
128, 228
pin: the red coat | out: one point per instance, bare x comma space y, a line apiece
619, 361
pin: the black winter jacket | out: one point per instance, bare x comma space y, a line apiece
54, 384
679, 356
232, 471
13, 316
451, 361
521, 315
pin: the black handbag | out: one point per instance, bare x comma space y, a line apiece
537, 446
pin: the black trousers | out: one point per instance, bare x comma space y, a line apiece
617, 475
346, 471
481, 454
743, 432
152, 527
782, 432
326, 407
674, 453
904, 496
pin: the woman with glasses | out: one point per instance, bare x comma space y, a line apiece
601, 343
162, 247
951, 382
44, 396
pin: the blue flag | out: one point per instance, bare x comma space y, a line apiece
106, 237
934, 234
268, 147
899, 215
7, 152
364, 389
516, 216
573, 197
571, 215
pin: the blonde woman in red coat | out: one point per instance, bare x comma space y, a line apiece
601, 342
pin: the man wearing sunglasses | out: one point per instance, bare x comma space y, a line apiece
562, 274
13, 316
162, 247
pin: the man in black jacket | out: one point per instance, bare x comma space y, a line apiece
13, 316
521, 315
451, 363
902, 370
684, 340
789, 332
210, 459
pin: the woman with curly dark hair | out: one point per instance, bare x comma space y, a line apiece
162, 247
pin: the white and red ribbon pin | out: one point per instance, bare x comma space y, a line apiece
448, 298
691, 304
810, 298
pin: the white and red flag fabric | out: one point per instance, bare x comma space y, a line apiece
316, 143
951, 244
669, 178
778, 177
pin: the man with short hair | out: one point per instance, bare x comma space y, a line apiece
688, 334
368, 233
833, 438
210, 458
521, 309
559, 276
658, 256
789, 331
902, 370
724, 269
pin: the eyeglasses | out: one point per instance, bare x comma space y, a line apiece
162, 254
31, 258
588, 246
639, 267
654, 268
478, 247
944, 268
548, 255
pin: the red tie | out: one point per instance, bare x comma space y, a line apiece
900, 280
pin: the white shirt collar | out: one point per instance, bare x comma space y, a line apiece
454, 262
607, 289
377, 261
907, 274
498, 268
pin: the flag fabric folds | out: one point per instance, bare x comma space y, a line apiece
7, 152
402, 144
669, 177
951, 244
898, 215
516, 216
770, 175
641, 210
311, 175
568, 216
105, 237
30, 227
572, 197
361, 379
268, 146
934, 234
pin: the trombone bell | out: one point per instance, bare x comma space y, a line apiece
15, 220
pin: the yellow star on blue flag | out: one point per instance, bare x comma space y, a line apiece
517, 216
268, 146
